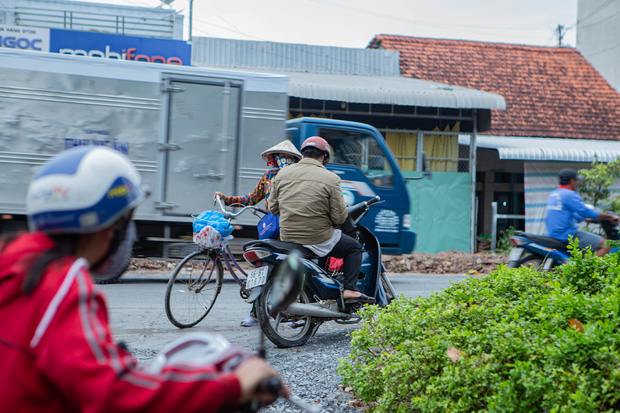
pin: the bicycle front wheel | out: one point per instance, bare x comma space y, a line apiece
193, 288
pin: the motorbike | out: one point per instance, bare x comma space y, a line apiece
544, 253
320, 299
204, 348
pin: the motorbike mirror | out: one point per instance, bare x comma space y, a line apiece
425, 167
286, 284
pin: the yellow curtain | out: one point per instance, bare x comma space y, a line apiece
445, 147
404, 147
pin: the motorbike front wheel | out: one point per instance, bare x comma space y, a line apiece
284, 331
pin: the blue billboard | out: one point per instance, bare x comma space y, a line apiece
112, 46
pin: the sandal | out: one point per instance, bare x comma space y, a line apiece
249, 322
363, 299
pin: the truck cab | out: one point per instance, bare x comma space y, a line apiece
367, 167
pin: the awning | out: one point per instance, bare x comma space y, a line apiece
389, 90
548, 149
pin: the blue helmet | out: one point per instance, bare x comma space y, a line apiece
82, 190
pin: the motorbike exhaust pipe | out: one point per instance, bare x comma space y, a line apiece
314, 310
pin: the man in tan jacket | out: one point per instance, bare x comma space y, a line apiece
309, 200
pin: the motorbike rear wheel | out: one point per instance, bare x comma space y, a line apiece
285, 331
387, 287
532, 261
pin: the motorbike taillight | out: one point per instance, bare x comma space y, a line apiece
517, 242
255, 256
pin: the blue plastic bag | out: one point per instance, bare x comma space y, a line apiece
269, 227
213, 219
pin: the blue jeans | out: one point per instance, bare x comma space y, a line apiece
588, 240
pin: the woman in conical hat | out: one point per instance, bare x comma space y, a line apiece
277, 157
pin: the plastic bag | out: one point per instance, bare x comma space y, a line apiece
269, 227
209, 237
215, 220
211, 230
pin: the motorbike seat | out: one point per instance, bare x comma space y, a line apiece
546, 241
281, 247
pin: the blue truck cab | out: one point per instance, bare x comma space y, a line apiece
367, 167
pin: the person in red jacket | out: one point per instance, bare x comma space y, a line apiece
57, 353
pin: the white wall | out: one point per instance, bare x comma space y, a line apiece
108, 18
598, 37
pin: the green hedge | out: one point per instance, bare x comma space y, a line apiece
529, 341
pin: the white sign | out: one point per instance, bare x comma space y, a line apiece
387, 221
25, 38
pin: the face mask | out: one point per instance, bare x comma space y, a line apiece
118, 261
282, 162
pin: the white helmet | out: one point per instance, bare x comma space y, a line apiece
82, 190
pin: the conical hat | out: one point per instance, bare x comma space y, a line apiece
282, 147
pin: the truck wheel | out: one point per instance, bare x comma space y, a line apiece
285, 331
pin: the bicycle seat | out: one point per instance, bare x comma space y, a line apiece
281, 247
546, 241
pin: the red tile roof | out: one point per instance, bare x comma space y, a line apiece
549, 91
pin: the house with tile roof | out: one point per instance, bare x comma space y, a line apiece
559, 110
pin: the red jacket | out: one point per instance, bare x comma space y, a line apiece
57, 353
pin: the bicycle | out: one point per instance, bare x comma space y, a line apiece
197, 280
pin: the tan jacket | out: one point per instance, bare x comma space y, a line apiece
309, 200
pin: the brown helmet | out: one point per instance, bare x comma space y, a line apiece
318, 143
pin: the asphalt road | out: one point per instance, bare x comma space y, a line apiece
137, 315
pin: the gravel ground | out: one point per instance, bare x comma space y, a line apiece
310, 372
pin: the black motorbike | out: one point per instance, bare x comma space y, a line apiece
320, 299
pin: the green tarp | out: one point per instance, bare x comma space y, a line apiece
441, 211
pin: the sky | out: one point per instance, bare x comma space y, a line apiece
354, 23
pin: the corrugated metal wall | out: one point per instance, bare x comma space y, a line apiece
230, 53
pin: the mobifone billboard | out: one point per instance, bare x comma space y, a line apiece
102, 45
112, 46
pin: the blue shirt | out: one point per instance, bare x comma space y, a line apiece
565, 209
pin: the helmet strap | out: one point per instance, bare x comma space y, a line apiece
120, 230
325, 158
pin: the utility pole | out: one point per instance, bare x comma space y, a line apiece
191, 18
561, 31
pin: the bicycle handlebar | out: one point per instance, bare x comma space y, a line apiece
229, 214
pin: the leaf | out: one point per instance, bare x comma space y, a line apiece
454, 354
576, 324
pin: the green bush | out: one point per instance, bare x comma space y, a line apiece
528, 341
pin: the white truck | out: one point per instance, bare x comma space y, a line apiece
189, 131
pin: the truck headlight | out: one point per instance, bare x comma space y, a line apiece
407, 220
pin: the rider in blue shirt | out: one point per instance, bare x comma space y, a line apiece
565, 209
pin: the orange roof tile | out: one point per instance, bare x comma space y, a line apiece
549, 91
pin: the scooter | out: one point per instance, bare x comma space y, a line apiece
321, 298
544, 252
212, 349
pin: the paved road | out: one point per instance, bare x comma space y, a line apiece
138, 317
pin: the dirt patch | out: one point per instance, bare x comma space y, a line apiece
448, 262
